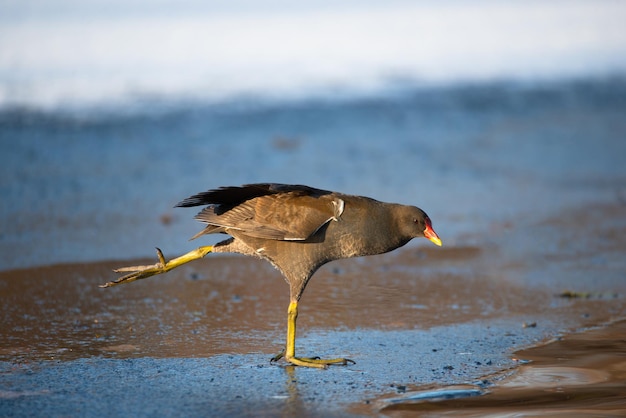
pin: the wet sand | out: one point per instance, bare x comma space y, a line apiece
198, 340
579, 375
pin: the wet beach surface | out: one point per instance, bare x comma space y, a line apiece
580, 375
422, 320
525, 186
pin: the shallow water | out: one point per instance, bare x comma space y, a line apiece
478, 159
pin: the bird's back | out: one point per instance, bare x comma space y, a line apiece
266, 211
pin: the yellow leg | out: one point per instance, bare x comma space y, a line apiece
143, 272
290, 351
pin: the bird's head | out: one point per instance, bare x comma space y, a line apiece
417, 224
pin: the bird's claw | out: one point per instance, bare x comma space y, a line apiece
277, 357
139, 272
142, 272
312, 361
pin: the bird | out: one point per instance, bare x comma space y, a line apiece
297, 229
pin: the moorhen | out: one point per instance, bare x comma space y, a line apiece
297, 229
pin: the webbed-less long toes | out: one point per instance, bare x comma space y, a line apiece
143, 272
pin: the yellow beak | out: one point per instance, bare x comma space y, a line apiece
436, 241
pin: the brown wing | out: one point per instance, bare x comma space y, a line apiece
282, 216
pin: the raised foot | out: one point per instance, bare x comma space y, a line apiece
139, 272
143, 272
316, 362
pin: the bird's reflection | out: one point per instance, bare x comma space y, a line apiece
294, 406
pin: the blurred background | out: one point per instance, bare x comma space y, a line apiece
485, 114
